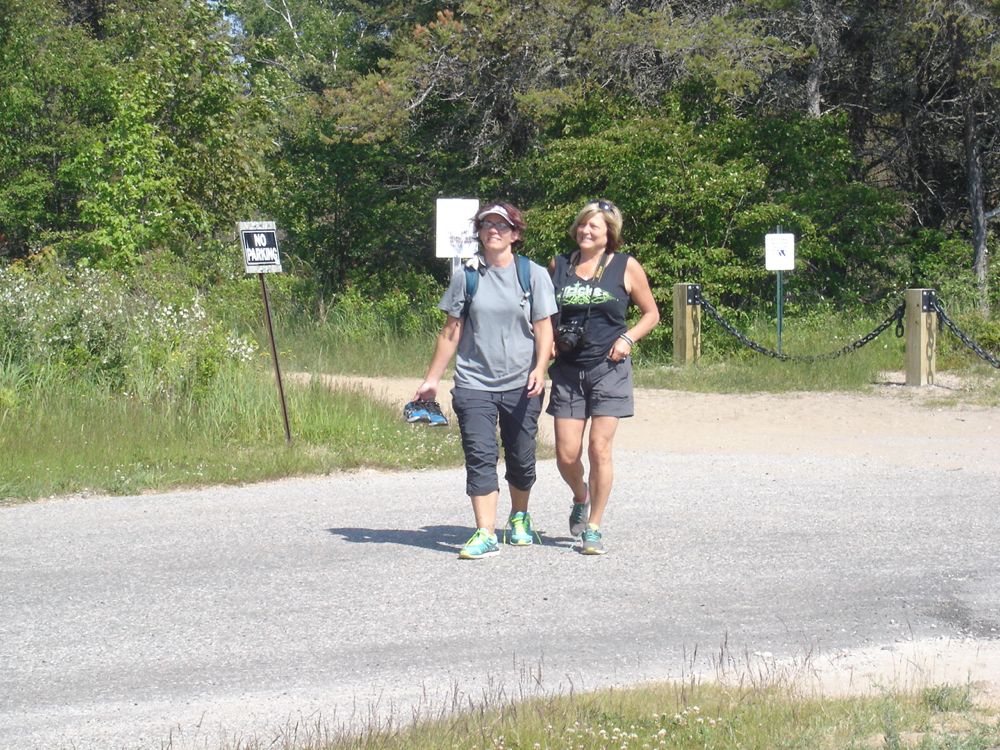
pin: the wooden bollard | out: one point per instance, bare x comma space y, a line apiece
921, 336
687, 323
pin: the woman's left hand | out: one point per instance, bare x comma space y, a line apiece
536, 382
619, 350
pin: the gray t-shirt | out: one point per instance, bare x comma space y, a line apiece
497, 348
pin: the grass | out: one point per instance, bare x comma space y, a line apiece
64, 438
726, 366
327, 348
970, 384
690, 715
747, 371
724, 369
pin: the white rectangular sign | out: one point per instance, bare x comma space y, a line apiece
455, 236
779, 252
260, 246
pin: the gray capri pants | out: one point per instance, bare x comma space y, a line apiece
604, 390
478, 413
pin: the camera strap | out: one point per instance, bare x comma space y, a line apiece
570, 265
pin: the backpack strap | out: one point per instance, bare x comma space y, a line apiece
524, 276
471, 285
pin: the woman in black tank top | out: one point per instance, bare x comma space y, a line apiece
592, 375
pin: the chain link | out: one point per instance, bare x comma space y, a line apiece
896, 317
943, 316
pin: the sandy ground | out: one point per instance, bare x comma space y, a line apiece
904, 426
894, 424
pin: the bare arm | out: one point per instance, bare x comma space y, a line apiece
554, 320
444, 350
543, 352
637, 286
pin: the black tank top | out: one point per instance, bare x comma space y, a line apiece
608, 306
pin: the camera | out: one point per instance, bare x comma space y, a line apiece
569, 337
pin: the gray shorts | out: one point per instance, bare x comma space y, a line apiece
605, 390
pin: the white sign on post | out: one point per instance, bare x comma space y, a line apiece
455, 236
260, 246
779, 252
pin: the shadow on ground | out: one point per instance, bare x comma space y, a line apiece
438, 538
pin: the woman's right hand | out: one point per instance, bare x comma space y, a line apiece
426, 392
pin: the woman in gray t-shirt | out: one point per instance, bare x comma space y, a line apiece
501, 339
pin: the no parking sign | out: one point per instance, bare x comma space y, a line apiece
259, 240
260, 246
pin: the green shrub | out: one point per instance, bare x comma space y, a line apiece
984, 332
113, 329
699, 197
397, 313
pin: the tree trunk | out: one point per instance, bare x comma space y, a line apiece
977, 209
814, 99
823, 40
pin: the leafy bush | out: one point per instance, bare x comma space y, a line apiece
699, 196
944, 265
982, 331
408, 310
111, 328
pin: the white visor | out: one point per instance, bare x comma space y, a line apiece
498, 210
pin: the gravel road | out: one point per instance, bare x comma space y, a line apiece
211, 617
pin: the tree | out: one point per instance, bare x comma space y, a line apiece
948, 118
213, 121
127, 184
917, 79
146, 135
54, 100
486, 76
355, 212
699, 197
974, 40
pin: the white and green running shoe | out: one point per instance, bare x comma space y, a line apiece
481, 544
521, 533
579, 515
591, 542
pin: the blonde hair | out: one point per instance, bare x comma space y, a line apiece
612, 217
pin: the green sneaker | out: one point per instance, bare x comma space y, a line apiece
480, 544
521, 533
591, 543
578, 516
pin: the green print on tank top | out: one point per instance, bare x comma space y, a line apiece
579, 294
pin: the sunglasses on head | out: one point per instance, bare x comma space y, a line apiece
604, 205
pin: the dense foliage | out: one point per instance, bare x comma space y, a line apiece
140, 128
112, 330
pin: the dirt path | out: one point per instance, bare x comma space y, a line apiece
896, 424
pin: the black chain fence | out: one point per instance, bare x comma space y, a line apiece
896, 317
943, 319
